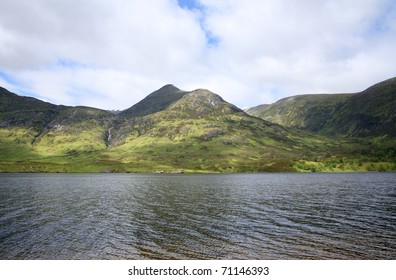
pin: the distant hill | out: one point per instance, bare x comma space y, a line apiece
172, 129
366, 114
21, 111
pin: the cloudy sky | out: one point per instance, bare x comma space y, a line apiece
111, 54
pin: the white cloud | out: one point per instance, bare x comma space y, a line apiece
304, 46
110, 54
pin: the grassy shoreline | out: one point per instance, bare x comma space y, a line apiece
295, 167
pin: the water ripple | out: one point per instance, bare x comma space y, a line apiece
239, 216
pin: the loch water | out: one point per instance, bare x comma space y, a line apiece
215, 216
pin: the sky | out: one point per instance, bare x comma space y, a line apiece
111, 54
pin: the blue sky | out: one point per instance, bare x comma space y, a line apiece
111, 54
201, 12
190, 4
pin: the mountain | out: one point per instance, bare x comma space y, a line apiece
312, 112
198, 130
157, 101
24, 111
31, 129
20, 111
170, 129
369, 113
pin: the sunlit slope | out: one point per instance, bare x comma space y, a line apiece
170, 130
199, 131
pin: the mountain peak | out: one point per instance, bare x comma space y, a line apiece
168, 87
156, 101
200, 101
204, 102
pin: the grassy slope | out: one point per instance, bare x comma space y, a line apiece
366, 123
241, 152
311, 112
369, 113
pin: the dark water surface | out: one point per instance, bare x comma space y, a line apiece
237, 216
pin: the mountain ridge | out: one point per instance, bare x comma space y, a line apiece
364, 114
170, 129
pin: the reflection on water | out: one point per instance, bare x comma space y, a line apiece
238, 216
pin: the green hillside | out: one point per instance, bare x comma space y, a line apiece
370, 113
171, 130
